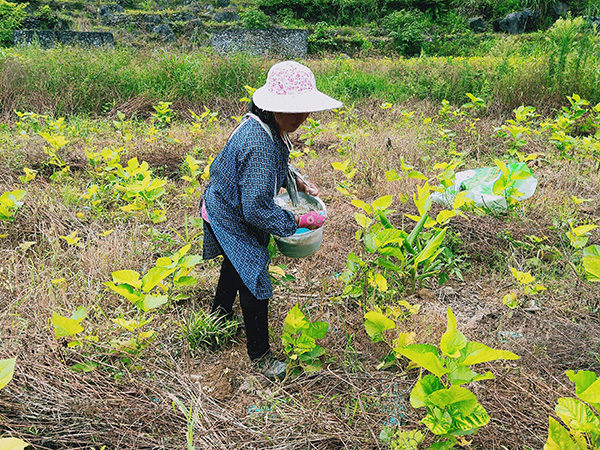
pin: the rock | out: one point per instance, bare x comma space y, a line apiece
165, 32
226, 16
477, 24
560, 9
273, 41
50, 38
518, 22
106, 11
593, 20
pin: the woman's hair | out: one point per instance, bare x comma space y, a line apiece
266, 116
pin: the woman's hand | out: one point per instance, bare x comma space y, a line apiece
311, 220
307, 187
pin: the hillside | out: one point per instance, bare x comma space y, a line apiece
354, 27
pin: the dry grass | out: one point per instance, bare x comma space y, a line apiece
129, 404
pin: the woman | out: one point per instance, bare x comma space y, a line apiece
238, 205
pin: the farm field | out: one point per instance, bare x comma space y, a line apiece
102, 291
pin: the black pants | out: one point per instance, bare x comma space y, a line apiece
255, 311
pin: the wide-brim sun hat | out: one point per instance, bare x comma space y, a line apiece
291, 88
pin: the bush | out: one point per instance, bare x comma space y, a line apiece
407, 29
255, 19
48, 18
334, 12
11, 17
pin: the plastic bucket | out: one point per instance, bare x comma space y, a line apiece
304, 242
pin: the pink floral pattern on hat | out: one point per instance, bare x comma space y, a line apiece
290, 78
291, 88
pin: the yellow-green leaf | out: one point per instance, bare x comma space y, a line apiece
453, 341
7, 368
65, 326
12, 444
130, 277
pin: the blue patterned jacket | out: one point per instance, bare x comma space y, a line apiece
244, 179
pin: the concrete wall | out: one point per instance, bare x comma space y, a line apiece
274, 41
50, 38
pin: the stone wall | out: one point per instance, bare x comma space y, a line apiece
274, 41
50, 38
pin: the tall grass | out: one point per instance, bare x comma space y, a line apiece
538, 70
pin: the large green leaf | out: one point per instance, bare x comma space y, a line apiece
476, 353
154, 277
7, 368
592, 393
184, 281
577, 415
439, 422
423, 389
376, 324
396, 252
130, 277
463, 375
385, 264
126, 291
190, 261
370, 242
583, 379
425, 356
317, 330
453, 341
469, 424
383, 202
389, 236
431, 247
559, 438
152, 302
462, 400
65, 326
294, 321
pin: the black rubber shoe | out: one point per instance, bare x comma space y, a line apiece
270, 367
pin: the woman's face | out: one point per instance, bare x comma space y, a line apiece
289, 122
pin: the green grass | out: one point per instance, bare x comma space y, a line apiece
538, 70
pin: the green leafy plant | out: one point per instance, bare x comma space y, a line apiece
516, 129
134, 185
69, 326
527, 285
380, 323
194, 172
150, 290
255, 19
10, 202
311, 131
57, 142
453, 411
392, 254
202, 120
507, 184
590, 256
211, 332
581, 430
191, 417
163, 115
299, 342
11, 17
